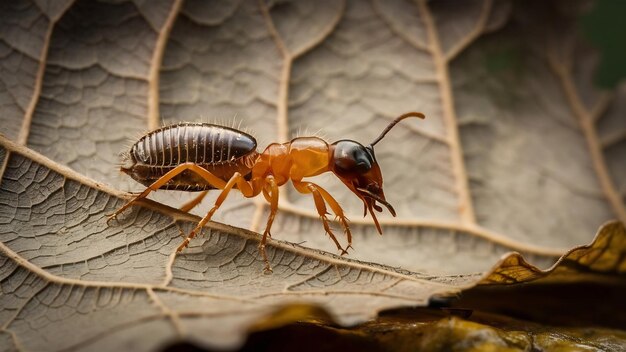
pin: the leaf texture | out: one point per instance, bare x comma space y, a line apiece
519, 152
65, 266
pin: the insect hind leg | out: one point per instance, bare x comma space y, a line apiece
163, 180
242, 185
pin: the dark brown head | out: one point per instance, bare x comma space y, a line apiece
356, 166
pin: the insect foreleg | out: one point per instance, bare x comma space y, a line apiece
320, 205
334, 205
206, 175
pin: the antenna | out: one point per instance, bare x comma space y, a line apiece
394, 122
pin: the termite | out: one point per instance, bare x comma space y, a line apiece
197, 157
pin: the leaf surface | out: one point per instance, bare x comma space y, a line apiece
519, 152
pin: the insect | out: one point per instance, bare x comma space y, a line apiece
197, 157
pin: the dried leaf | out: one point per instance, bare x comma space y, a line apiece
519, 152
431, 330
603, 259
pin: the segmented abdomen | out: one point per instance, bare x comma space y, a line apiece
200, 143
220, 150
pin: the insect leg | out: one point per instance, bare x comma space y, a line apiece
209, 177
320, 205
244, 187
192, 203
272, 198
267, 195
334, 205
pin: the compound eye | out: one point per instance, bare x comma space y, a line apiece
351, 157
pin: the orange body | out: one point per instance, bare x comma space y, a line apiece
301, 157
199, 157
